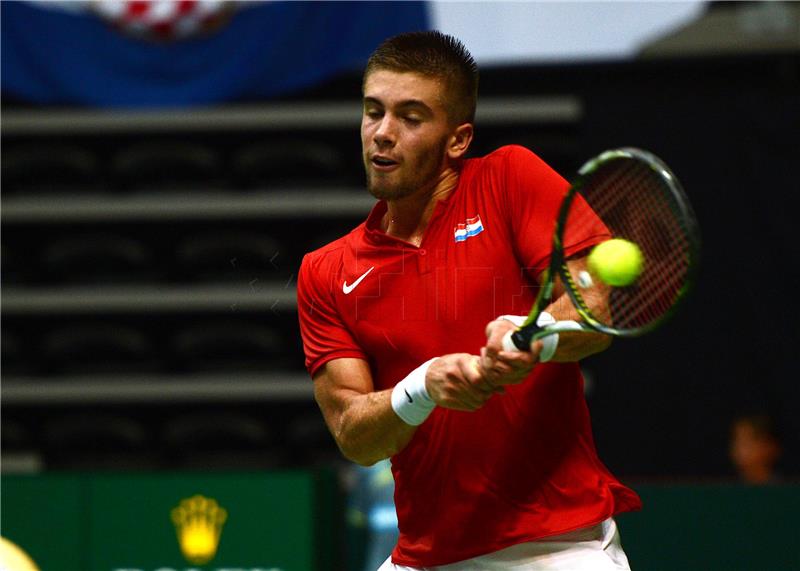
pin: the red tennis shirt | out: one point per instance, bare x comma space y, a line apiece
522, 467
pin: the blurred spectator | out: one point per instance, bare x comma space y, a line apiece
372, 509
755, 449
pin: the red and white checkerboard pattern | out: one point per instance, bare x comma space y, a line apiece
164, 19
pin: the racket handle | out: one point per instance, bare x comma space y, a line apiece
516, 341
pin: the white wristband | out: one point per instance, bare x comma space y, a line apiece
410, 398
517, 320
549, 343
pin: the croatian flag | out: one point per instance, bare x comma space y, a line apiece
472, 227
175, 53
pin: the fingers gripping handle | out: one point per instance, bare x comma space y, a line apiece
509, 342
520, 340
515, 340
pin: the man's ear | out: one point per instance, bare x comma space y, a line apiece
460, 141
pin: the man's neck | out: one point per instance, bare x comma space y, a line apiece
407, 218
758, 474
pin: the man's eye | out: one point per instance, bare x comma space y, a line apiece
372, 113
413, 119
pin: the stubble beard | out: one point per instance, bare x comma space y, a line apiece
425, 174
386, 190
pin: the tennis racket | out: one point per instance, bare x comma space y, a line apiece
630, 194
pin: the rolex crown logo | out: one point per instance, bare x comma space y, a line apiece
198, 522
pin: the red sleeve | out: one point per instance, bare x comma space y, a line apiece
324, 333
534, 192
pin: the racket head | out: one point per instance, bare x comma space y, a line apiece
639, 199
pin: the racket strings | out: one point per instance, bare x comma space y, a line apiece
666, 253
636, 203
658, 242
658, 286
660, 283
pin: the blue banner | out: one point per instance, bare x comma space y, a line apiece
264, 49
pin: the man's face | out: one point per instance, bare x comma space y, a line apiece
750, 449
404, 133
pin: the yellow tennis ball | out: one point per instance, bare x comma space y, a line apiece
616, 262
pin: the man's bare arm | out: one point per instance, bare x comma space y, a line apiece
577, 345
505, 367
362, 420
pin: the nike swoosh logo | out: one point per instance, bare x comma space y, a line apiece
348, 288
408, 396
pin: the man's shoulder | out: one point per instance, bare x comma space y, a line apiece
505, 159
333, 251
506, 153
501, 165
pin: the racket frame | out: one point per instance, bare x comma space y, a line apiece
557, 266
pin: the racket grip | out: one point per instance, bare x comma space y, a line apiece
515, 341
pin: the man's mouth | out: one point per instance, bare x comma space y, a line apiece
383, 163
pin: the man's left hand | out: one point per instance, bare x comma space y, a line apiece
506, 367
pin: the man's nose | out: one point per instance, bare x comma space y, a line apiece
385, 134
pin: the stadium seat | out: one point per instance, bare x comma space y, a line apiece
220, 440
11, 273
98, 347
228, 255
96, 258
49, 167
227, 345
20, 453
167, 165
97, 441
311, 442
15, 435
14, 360
292, 163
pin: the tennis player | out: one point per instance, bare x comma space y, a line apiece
492, 452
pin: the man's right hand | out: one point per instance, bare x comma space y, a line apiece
457, 381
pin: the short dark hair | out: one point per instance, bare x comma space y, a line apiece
762, 424
437, 55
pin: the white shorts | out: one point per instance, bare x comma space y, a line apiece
595, 548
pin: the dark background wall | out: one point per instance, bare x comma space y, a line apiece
661, 405
729, 129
